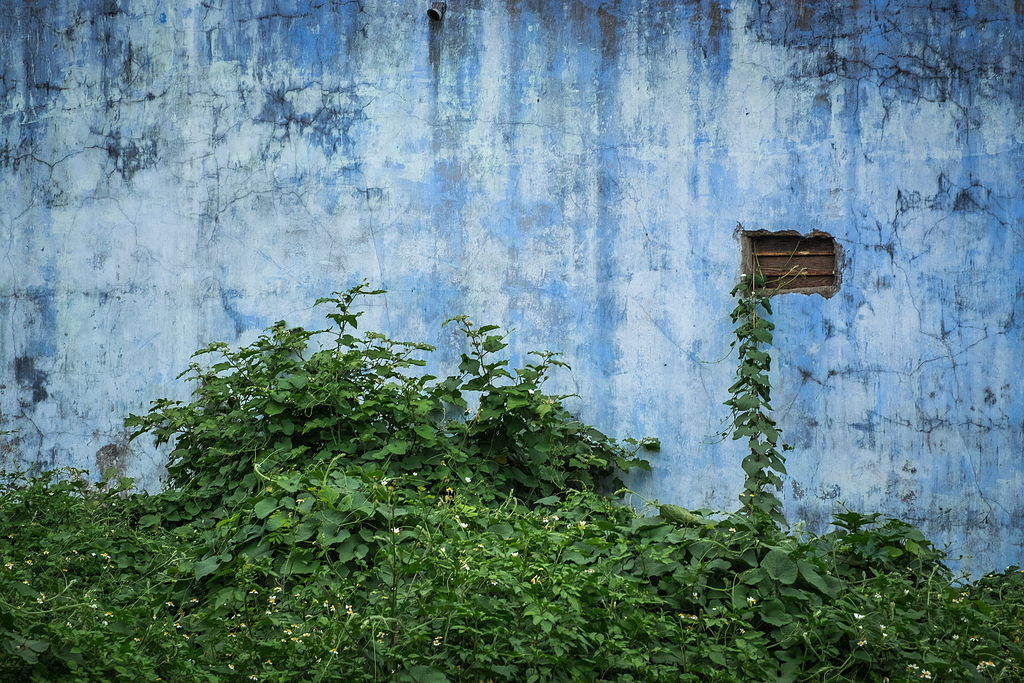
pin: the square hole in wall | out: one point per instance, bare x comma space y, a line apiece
791, 262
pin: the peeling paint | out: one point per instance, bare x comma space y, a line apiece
177, 173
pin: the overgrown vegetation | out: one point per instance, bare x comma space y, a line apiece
333, 514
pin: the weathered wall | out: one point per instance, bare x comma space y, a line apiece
176, 172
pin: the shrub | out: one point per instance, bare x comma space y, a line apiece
335, 514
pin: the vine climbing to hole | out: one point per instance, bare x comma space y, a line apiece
751, 401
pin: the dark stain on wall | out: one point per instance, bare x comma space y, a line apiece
330, 125
894, 46
241, 321
30, 378
41, 317
710, 26
130, 155
826, 492
112, 456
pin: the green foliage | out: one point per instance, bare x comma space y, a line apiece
751, 402
335, 515
276, 408
413, 588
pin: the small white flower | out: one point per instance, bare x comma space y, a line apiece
468, 480
397, 530
858, 616
463, 525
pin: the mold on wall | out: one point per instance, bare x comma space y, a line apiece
178, 172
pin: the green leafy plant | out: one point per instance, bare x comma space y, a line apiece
334, 514
750, 401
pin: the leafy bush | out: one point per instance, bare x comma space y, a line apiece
333, 514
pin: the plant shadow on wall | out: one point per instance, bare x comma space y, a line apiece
334, 514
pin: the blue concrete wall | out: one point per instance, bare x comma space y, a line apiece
176, 172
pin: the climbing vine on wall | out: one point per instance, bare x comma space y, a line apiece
750, 401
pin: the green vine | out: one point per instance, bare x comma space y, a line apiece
751, 401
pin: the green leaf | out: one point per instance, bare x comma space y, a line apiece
148, 521
678, 515
747, 402
779, 566
265, 507
328, 495
37, 645
423, 674
501, 530
815, 579
754, 576
275, 522
517, 401
774, 612
205, 566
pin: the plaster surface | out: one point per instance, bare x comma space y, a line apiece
179, 172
